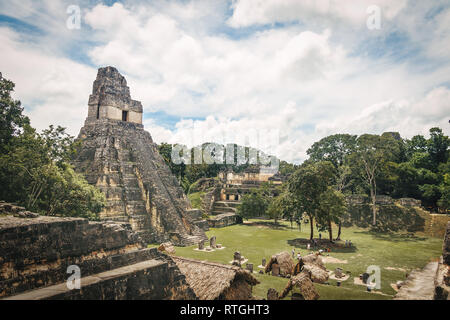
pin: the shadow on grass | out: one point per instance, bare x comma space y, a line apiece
394, 237
337, 246
267, 224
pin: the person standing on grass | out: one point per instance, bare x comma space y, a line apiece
293, 253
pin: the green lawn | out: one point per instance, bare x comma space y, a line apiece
256, 240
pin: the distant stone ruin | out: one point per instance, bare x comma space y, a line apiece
120, 158
223, 195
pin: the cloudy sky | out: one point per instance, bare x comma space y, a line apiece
302, 68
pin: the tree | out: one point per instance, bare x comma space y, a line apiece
371, 152
417, 144
252, 205
437, 146
336, 148
286, 169
11, 118
422, 160
282, 206
444, 201
35, 170
307, 184
333, 148
331, 209
36, 174
343, 182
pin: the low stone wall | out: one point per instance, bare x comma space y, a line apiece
202, 224
196, 215
389, 217
224, 220
35, 254
409, 202
404, 214
354, 199
147, 280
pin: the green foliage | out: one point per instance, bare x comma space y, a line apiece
254, 204
262, 240
333, 148
11, 117
373, 154
421, 160
283, 206
332, 208
196, 199
188, 174
437, 146
391, 218
417, 144
35, 170
387, 164
286, 169
444, 201
306, 186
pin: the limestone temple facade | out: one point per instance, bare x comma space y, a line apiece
119, 157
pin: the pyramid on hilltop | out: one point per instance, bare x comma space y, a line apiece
119, 157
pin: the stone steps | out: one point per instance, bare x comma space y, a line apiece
223, 209
116, 218
190, 240
232, 204
419, 285
220, 207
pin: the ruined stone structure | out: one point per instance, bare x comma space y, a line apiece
227, 194
222, 196
36, 253
121, 159
394, 214
442, 278
224, 220
237, 184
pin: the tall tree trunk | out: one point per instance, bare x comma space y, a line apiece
373, 195
311, 223
339, 231
330, 231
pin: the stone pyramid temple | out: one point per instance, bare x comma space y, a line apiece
119, 157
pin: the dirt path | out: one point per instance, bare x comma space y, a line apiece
419, 285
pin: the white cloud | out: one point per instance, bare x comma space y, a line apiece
305, 80
53, 90
260, 12
408, 116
